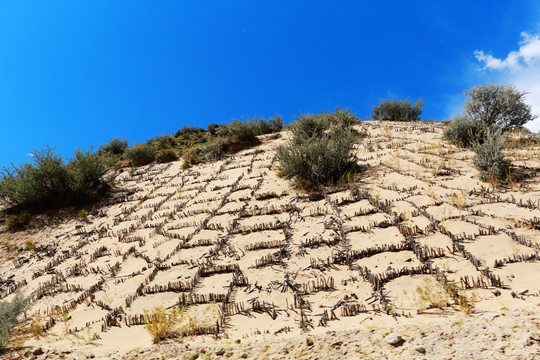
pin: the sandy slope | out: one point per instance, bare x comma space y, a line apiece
253, 260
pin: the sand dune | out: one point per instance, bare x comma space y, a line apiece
252, 259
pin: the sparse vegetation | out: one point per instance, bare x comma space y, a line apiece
397, 110
220, 140
10, 311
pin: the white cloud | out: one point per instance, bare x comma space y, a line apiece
521, 68
528, 54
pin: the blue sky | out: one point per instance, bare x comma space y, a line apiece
78, 73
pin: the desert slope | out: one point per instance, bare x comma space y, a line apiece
408, 250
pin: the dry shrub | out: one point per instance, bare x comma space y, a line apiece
162, 324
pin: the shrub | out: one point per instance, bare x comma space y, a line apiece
246, 131
243, 130
48, 183
270, 126
83, 214
489, 158
45, 184
188, 131
315, 156
9, 312
166, 155
464, 132
431, 295
141, 154
115, 146
398, 110
343, 117
215, 129
162, 325
310, 126
17, 222
163, 142
30, 245
498, 106
209, 152
87, 172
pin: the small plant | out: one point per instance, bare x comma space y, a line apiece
83, 214
90, 336
36, 326
490, 159
430, 295
30, 245
9, 314
467, 303
8, 245
66, 319
162, 325
17, 222
141, 154
458, 200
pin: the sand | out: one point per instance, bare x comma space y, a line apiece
263, 272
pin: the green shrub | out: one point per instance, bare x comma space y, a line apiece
141, 154
115, 146
310, 126
498, 106
464, 132
243, 130
163, 142
42, 185
489, 158
215, 129
270, 126
344, 118
212, 151
9, 314
48, 183
319, 154
398, 110
87, 172
166, 155
83, 214
188, 131
17, 222
246, 131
